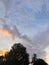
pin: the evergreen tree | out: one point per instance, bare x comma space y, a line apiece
17, 55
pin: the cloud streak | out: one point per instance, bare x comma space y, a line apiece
12, 32
29, 13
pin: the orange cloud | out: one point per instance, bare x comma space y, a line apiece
6, 33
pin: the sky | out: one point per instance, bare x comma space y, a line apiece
25, 21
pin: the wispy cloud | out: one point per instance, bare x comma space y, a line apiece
34, 47
31, 17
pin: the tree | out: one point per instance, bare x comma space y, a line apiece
17, 55
40, 62
34, 58
1, 60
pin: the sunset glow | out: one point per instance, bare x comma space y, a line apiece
47, 58
5, 33
25, 22
2, 52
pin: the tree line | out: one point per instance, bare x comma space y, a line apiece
19, 56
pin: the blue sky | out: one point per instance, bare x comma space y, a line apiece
31, 18
30, 15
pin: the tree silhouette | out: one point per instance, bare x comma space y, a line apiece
40, 62
17, 55
34, 58
1, 60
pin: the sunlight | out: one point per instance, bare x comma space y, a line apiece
47, 58
5, 40
5, 32
2, 52
47, 55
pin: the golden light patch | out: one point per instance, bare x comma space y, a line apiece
47, 58
5, 33
2, 52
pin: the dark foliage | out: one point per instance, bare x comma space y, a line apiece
1, 60
34, 58
17, 55
40, 62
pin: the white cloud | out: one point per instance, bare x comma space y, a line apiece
25, 11
42, 41
47, 4
2, 9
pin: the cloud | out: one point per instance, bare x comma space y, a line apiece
26, 11
7, 33
33, 46
6, 6
7, 30
31, 9
47, 4
42, 41
36, 46
12, 32
2, 9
